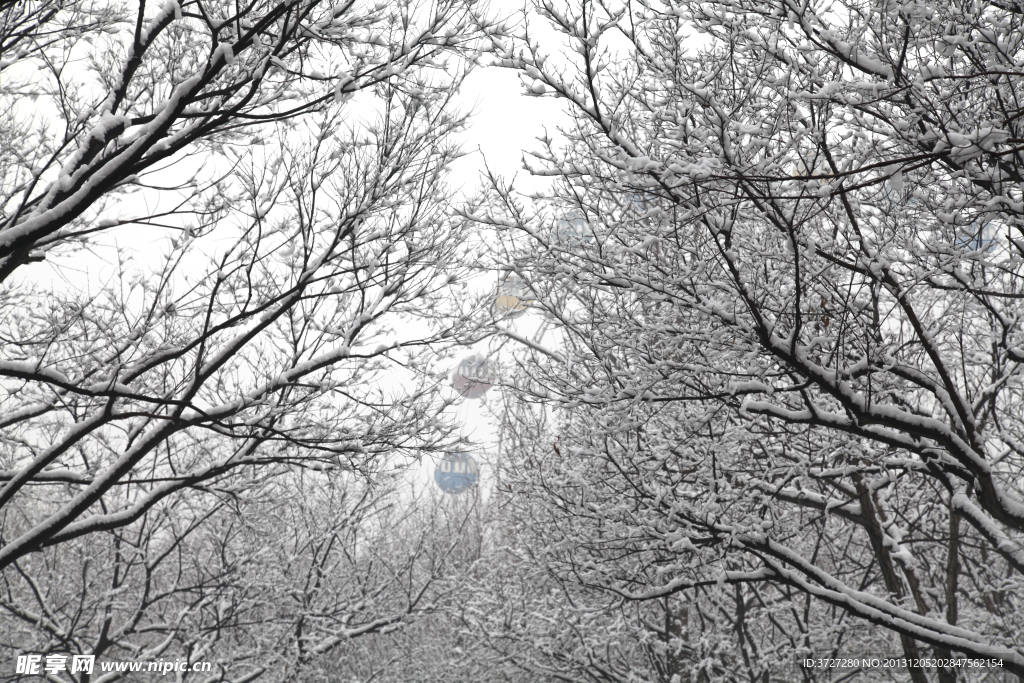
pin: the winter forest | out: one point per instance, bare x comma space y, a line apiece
742, 333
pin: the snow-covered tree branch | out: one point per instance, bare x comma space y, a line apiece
277, 231
794, 305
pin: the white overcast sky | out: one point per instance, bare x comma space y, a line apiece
506, 123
